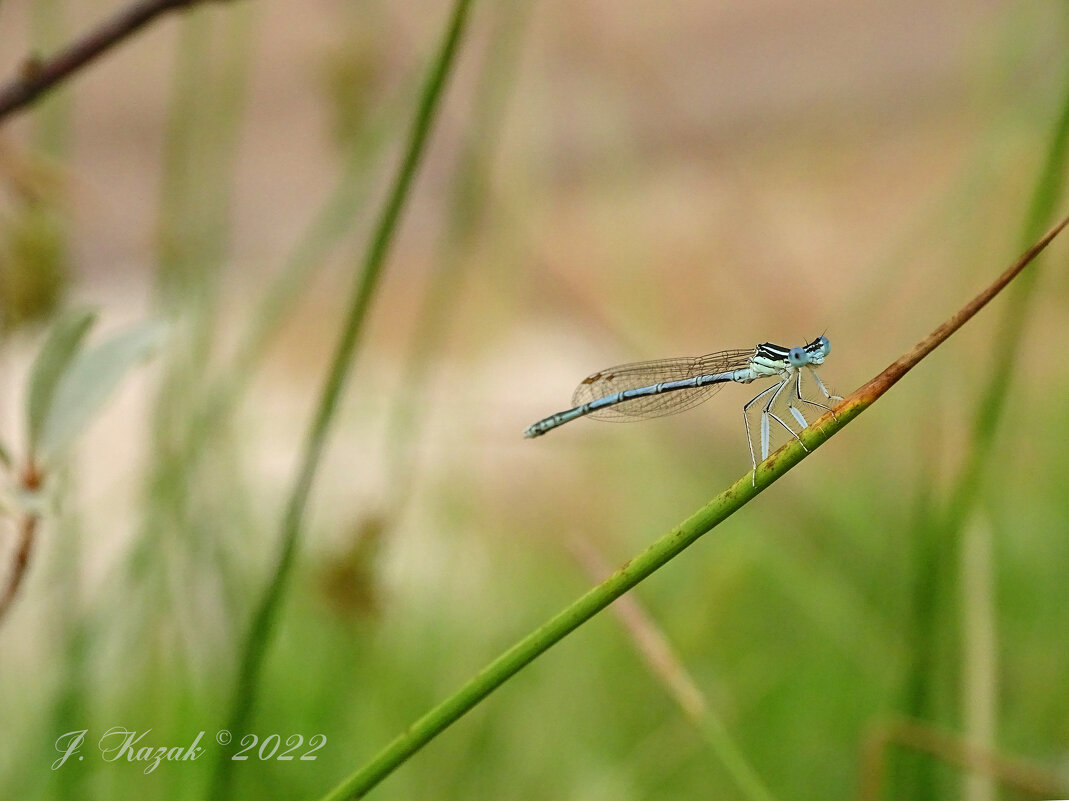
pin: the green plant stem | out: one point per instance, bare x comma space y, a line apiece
202, 138
652, 646
1005, 346
937, 594
720, 742
664, 549
52, 128
467, 210
264, 619
526, 650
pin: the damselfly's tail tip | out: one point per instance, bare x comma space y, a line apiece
531, 432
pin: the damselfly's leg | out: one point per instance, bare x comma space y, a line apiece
767, 413
824, 389
827, 394
764, 427
801, 399
798, 396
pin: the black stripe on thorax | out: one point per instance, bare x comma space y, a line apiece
770, 351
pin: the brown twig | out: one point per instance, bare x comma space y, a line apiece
40, 75
30, 481
885, 380
27, 535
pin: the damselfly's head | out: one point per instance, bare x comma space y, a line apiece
812, 354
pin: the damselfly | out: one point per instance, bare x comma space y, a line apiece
665, 386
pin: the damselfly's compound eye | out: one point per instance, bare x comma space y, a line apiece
798, 357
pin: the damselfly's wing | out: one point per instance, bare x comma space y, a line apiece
643, 374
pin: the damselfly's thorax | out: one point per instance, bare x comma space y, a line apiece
769, 359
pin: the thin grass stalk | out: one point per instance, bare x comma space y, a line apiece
255, 649
204, 113
71, 700
51, 135
1006, 345
51, 122
330, 224
202, 142
936, 619
909, 768
979, 697
204, 117
218, 398
467, 209
654, 648
215, 404
51, 131
201, 147
663, 550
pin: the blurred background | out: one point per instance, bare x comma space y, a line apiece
605, 183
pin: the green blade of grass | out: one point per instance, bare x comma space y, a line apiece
1006, 344
664, 549
264, 618
935, 672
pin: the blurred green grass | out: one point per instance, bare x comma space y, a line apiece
598, 236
